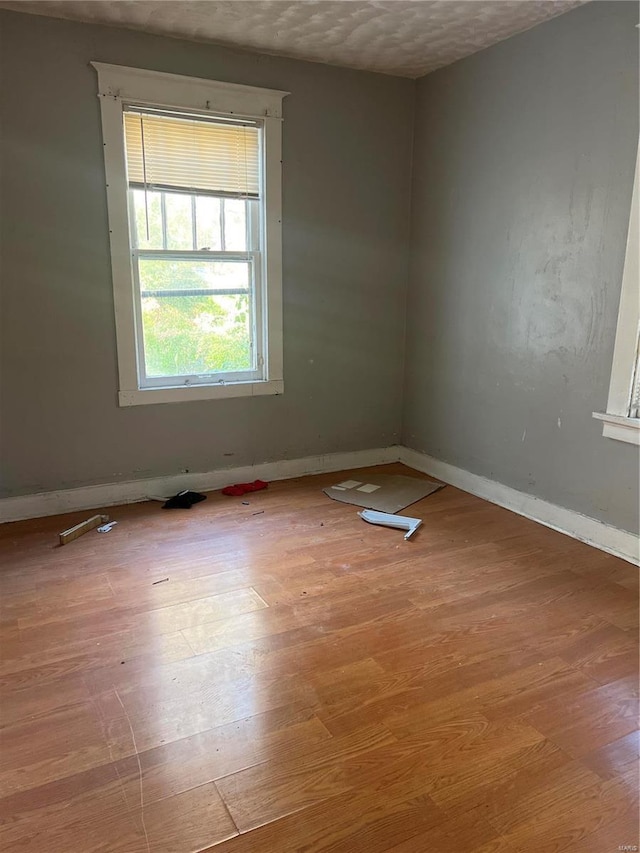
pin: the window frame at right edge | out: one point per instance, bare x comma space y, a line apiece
617, 421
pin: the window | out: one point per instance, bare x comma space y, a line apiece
194, 199
622, 418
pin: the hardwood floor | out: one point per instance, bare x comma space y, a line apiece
280, 677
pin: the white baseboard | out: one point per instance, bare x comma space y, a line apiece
618, 542
132, 491
582, 527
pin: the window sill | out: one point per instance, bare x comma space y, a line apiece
620, 428
185, 394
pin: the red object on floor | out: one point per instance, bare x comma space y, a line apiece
242, 488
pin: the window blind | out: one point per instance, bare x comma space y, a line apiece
192, 155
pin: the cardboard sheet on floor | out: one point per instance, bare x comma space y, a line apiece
383, 492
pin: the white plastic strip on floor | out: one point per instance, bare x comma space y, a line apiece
386, 519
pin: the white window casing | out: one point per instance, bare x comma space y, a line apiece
621, 421
119, 86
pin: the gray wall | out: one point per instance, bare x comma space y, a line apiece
523, 167
523, 163
347, 143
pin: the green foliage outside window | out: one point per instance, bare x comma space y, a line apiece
192, 334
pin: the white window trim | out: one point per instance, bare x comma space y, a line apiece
616, 421
118, 84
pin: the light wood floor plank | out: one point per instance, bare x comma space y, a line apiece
296, 681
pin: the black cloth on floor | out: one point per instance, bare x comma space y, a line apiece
184, 500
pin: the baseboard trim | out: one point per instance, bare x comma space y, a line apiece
618, 542
133, 491
610, 539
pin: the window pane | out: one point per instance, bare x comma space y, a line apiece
187, 335
179, 221
152, 209
235, 225
169, 275
191, 323
208, 221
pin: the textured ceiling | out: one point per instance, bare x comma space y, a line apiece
408, 38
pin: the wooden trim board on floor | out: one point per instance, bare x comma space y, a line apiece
621, 543
83, 527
